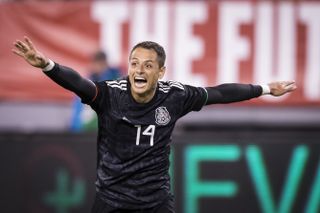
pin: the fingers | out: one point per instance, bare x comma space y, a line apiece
17, 52
18, 45
280, 88
288, 83
29, 42
285, 83
22, 47
19, 49
290, 87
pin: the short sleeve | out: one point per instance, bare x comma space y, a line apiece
101, 97
195, 98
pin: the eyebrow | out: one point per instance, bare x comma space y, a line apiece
144, 61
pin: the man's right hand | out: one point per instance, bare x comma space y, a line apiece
27, 50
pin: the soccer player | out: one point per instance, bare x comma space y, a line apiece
136, 116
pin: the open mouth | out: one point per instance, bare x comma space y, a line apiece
140, 81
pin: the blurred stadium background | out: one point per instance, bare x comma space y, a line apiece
257, 156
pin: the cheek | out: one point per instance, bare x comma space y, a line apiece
130, 71
155, 78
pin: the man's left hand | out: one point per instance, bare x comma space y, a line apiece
279, 88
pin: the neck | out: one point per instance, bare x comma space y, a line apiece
143, 98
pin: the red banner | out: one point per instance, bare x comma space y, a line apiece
207, 42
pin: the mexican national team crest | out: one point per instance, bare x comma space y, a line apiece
162, 116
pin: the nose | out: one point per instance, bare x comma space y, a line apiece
140, 69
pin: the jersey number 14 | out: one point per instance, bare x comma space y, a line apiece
149, 131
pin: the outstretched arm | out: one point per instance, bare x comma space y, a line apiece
228, 93
64, 76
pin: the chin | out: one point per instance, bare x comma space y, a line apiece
140, 91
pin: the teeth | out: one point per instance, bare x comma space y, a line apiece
139, 78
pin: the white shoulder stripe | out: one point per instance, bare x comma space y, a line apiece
122, 84
117, 82
165, 91
164, 86
170, 84
120, 87
176, 84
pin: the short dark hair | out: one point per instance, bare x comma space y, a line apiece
161, 54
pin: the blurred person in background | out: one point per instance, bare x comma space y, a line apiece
136, 117
99, 70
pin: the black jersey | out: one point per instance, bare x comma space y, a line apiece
134, 140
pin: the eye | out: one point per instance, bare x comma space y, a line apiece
149, 66
133, 64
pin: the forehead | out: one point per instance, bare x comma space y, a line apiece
143, 54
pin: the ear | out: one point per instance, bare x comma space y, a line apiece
162, 72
